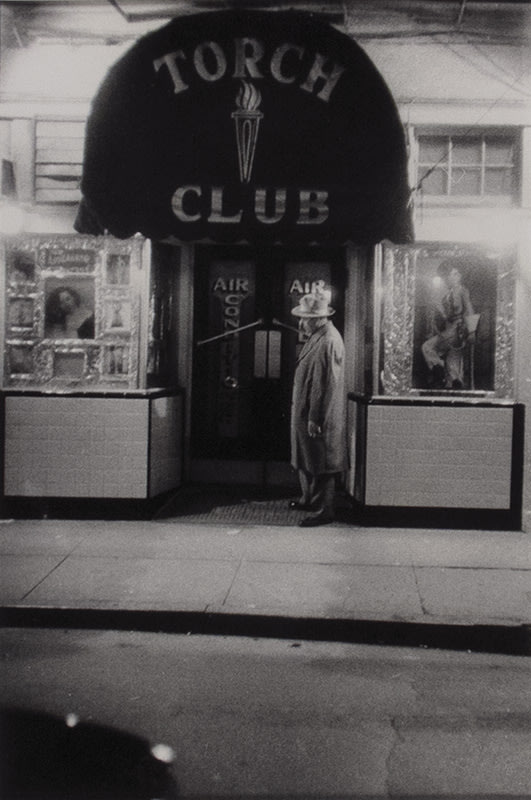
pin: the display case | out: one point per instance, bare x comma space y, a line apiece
74, 312
88, 407
444, 320
441, 431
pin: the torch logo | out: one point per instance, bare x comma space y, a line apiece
247, 121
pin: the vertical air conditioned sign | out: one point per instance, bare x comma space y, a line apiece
255, 125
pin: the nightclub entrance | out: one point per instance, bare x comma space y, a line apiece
246, 346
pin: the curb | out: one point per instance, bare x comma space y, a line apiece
501, 639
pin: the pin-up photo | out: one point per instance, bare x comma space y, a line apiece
454, 329
69, 308
447, 320
117, 315
116, 360
118, 269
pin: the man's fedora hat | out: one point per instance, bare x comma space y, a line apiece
314, 305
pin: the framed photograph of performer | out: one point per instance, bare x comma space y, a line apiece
69, 307
116, 361
445, 320
455, 323
117, 315
118, 269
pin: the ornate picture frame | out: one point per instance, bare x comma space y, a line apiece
446, 320
72, 312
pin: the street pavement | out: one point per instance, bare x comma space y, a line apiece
155, 575
295, 703
270, 718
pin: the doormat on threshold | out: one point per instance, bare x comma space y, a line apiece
251, 506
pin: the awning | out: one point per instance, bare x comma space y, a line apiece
256, 126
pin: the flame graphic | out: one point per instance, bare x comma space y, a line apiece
249, 97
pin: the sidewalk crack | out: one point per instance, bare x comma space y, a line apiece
236, 573
45, 577
421, 601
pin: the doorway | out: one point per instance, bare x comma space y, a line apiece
246, 343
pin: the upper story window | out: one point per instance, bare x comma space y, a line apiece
469, 168
58, 160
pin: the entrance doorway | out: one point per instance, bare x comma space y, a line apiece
246, 343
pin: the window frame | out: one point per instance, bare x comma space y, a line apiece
479, 135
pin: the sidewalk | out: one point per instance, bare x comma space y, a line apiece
260, 573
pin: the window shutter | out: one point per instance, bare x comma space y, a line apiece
58, 161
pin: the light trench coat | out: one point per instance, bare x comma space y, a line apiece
319, 396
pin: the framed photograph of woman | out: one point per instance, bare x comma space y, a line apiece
69, 308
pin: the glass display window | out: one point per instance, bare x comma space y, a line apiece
444, 320
73, 312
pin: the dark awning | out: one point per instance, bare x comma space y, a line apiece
257, 126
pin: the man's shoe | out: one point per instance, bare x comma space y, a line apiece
322, 518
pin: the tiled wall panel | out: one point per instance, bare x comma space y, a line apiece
165, 457
76, 447
427, 456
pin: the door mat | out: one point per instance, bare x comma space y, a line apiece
245, 506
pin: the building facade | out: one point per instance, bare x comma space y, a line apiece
176, 360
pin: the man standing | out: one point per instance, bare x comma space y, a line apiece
318, 448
